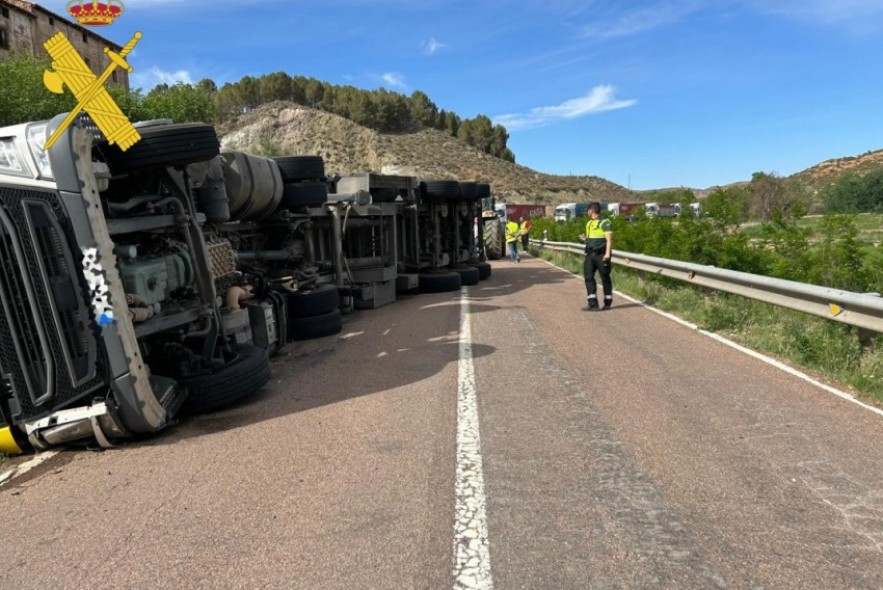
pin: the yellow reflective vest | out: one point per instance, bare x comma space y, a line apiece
512, 232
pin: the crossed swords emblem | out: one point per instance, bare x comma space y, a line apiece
69, 69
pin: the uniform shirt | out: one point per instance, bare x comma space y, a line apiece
525, 227
596, 234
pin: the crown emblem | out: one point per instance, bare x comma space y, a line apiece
94, 13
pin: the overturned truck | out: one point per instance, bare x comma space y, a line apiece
139, 286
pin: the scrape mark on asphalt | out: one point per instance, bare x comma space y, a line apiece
472, 564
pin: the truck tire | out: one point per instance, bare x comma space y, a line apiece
317, 326
439, 282
166, 145
493, 239
469, 275
468, 191
439, 190
242, 377
313, 302
296, 168
303, 194
484, 270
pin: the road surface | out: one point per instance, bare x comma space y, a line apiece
615, 450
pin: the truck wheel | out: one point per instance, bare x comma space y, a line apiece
317, 326
295, 168
484, 270
240, 378
303, 194
468, 191
439, 190
166, 145
312, 302
440, 282
468, 274
493, 240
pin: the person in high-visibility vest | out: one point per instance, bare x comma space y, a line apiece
599, 250
525, 232
512, 235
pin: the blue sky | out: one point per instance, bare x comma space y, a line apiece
645, 93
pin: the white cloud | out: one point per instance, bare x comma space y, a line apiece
599, 99
394, 79
656, 15
431, 47
153, 76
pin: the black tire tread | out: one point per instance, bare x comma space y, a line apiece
240, 378
317, 326
313, 302
440, 282
167, 145
296, 168
303, 194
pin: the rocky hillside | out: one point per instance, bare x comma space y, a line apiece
821, 175
289, 129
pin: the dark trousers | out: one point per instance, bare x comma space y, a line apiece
595, 262
525, 242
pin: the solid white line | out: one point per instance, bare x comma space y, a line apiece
20, 470
753, 353
472, 562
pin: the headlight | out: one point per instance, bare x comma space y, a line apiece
9, 160
36, 141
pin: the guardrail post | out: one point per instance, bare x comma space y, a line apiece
866, 338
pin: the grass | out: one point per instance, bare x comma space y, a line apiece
869, 225
829, 350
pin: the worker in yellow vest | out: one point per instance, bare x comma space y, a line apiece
599, 250
513, 232
526, 225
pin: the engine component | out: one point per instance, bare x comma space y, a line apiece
154, 278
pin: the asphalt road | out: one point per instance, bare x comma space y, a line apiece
619, 450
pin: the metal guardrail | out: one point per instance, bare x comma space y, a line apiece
864, 311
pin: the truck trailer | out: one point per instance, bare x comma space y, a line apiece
138, 286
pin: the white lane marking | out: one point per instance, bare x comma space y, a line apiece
20, 470
759, 356
472, 562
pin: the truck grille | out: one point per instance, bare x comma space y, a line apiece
47, 345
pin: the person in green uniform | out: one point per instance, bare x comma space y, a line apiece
599, 249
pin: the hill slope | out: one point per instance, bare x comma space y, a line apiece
818, 176
287, 129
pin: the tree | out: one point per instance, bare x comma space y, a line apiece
275, 86
423, 111
772, 197
872, 195
727, 207
181, 103
23, 97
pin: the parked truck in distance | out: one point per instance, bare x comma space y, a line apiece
622, 209
567, 211
660, 210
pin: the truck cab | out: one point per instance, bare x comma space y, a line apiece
567, 211
109, 291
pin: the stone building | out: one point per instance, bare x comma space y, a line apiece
25, 26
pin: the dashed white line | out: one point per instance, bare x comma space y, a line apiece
472, 564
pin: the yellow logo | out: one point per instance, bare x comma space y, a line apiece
95, 14
69, 69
